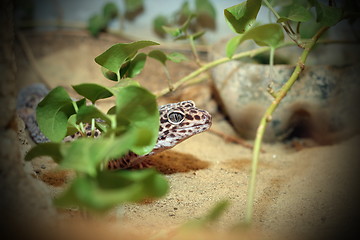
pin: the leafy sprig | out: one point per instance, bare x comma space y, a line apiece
187, 23
242, 19
110, 11
131, 125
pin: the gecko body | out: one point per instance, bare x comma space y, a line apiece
178, 122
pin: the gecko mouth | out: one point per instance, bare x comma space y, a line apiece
201, 127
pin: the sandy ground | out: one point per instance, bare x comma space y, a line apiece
303, 189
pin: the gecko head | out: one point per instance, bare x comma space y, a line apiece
179, 121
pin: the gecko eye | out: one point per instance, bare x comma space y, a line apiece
176, 117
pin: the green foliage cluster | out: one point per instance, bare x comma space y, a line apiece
292, 18
131, 125
99, 22
291, 14
191, 23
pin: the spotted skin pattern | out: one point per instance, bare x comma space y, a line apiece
178, 122
28, 99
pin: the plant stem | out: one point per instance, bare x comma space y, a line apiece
271, 58
298, 28
267, 118
75, 106
290, 28
194, 51
271, 75
209, 65
250, 53
287, 27
168, 77
271, 9
82, 129
92, 127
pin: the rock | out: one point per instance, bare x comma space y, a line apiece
23, 203
320, 105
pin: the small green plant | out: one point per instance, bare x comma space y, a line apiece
131, 125
99, 22
242, 17
187, 22
302, 21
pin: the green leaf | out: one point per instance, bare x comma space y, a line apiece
110, 10
173, 31
72, 126
205, 7
297, 13
136, 107
124, 83
109, 189
205, 16
101, 126
176, 57
124, 68
241, 16
92, 91
158, 24
45, 149
133, 5
112, 110
326, 15
186, 24
198, 34
212, 215
109, 74
177, 31
96, 24
86, 154
136, 65
158, 55
162, 57
124, 178
113, 58
81, 102
309, 29
155, 185
53, 112
184, 11
133, 8
87, 113
232, 44
215, 213
281, 3
264, 35
144, 139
